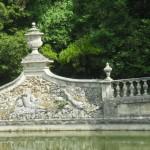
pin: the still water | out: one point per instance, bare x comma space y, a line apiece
75, 141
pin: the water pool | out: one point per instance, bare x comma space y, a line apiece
75, 140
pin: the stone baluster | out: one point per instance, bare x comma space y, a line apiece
138, 86
117, 89
131, 88
145, 87
113, 89
124, 89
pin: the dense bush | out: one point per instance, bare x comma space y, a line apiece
12, 41
12, 50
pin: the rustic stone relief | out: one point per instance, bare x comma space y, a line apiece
36, 98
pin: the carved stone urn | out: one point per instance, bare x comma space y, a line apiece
35, 63
34, 38
108, 70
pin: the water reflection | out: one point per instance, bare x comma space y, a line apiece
75, 141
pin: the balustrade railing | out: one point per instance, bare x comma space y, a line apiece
131, 87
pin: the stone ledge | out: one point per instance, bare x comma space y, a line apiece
79, 127
90, 122
133, 99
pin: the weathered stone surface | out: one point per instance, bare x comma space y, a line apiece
37, 98
134, 109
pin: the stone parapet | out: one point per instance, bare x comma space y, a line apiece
40, 100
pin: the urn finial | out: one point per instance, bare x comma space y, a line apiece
33, 25
108, 70
34, 40
35, 63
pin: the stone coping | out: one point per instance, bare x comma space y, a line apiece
132, 99
132, 79
78, 127
82, 121
31, 134
13, 83
49, 76
48, 73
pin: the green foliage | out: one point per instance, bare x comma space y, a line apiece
134, 55
13, 21
12, 50
3, 15
13, 17
47, 51
81, 47
56, 23
81, 36
79, 58
121, 37
139, 8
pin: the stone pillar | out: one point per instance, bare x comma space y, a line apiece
107, 91
34, 63
107, 94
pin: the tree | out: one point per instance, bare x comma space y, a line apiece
13, 48
55, 20
119, 35
81, 36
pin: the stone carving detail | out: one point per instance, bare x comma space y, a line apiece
27, 100
36, 98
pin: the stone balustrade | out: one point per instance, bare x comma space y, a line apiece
131, 87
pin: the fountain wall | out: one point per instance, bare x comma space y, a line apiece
41, 100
